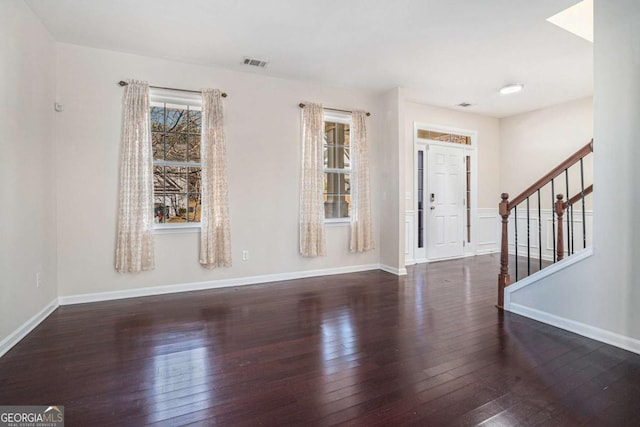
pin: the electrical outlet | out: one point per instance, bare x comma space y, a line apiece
38, 279
245, 255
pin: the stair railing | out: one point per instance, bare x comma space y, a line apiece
560, 209
506, 206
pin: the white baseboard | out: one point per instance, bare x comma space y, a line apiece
579, 328
487, 251
22, 331
199, 286
393, 270
15, 337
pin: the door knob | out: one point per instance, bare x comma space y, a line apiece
433, 207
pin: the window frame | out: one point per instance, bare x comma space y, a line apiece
178, 98
344, 118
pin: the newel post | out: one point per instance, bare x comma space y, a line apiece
503, 278
560, 214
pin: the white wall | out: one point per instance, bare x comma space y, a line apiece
533, 143
27, 174
391, 203
263, 138
603, 291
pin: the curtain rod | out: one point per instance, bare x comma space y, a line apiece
301, 105
123, 83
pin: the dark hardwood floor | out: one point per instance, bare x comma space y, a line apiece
361, 349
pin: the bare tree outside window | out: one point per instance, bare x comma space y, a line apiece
337, 168
176, 131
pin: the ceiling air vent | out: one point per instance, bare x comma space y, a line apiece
254, 62
464, 104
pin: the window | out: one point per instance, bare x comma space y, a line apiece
337, 167
175, 136
444, 137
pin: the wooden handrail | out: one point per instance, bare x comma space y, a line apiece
505, 207
571, 160
578, 196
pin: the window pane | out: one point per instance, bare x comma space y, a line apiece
157, 143
158, 181
177, 208
175, 180
337, 183
176, 120
337, 207
159, 209
345, 134
344, 154
345, 184
345, 208
337, 200
195, 208
195, 121
194, 148
156, 115
444, 137
337, 157
336, 133
176, 144
194, 179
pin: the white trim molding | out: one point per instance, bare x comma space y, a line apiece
213, 284
409, 232
579, 328
393, 270
574, 326
547, 232
421, 255
16, 336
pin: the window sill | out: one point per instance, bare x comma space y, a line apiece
176, 228
337, 222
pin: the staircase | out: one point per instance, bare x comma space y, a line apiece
534, 209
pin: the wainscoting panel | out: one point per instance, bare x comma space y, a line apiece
488, 232
409, 238
547, 222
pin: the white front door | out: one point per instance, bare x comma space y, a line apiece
445, 202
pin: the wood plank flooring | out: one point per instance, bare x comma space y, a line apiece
361, 349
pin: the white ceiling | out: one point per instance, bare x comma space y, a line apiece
444, 51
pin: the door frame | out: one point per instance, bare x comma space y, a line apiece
421, 255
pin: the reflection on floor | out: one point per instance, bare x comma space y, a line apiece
365, 349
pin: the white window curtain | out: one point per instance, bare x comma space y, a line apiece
215, 235
134, 244
361, 225
312, 238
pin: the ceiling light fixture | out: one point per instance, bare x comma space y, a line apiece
509, 89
